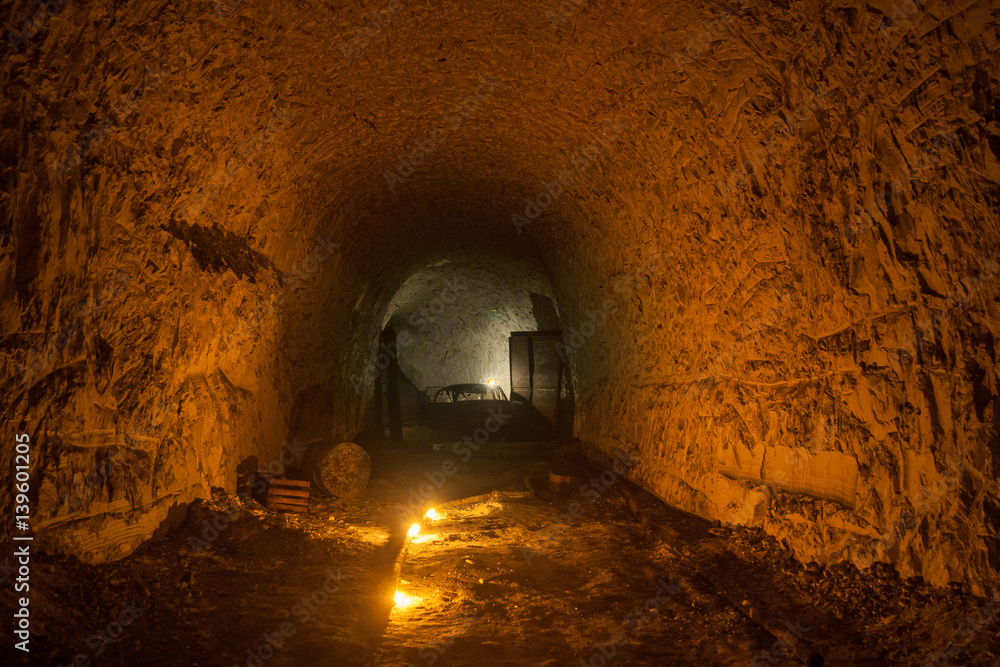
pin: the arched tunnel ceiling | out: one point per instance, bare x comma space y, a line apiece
774, 271
473, 273
500, 98
269, 82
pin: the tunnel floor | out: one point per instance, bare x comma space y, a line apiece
504, 580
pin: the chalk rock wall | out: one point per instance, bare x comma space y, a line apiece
145, 302
770, 230
804, 335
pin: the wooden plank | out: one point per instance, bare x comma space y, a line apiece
288, 492
283, 501
288, 501
289, 482
284, 492
275, 485
292, 499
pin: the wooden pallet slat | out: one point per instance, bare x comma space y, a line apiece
284, 489
289, 492
287, 506
291, 482
290, 495
282, 496
288, 501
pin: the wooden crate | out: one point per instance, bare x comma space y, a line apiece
290, 495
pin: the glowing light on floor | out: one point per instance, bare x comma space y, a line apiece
432, 515
412, 532
403, 600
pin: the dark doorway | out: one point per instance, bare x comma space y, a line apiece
387, 403
537, 381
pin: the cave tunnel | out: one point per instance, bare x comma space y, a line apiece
738, 257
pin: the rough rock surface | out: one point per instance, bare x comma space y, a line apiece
771, 233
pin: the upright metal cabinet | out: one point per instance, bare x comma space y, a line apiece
536, 372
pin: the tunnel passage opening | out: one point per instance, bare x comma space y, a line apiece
444, 354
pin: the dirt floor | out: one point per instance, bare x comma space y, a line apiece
602, 574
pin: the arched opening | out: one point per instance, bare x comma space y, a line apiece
454, 322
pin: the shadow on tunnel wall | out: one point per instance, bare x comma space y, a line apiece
310, 426
544, 311
521, 420
528, 423
566, 407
